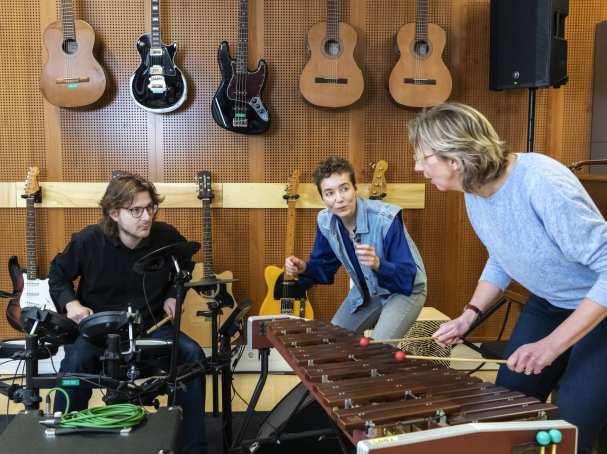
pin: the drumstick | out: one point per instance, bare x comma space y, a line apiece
364, 341
401, 356
159, 324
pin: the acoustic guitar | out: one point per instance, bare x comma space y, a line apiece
292, 301
71, 77
378, 186
158, 85
28, 289
331, 78
194, 324
420, 77
237, 105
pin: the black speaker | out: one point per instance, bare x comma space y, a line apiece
287, 418
528, 46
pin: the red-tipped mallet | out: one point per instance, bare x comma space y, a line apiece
365, 341
400, 356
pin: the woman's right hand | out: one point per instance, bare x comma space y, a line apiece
76, 311
451, 332
294, 265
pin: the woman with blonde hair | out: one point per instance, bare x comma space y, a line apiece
542, 229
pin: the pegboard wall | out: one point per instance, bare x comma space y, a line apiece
86, 144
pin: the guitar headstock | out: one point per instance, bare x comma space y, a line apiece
292, 186
205, 189
32, 187
378, 187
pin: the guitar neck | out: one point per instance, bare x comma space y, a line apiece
421, 20
155, 29
333, 20
243, 38
30, 235
207, 239
290, 240
67, 20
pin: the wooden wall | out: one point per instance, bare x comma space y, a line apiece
85, 145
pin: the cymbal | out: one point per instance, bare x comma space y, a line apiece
208, 282
160, 259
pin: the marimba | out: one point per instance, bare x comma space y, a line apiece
368, 394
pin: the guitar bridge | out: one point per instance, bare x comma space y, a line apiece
324, 80
240, 120
157, 84
409, 80
72, 80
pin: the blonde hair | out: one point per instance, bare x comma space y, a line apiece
461, 133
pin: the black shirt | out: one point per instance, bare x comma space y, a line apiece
107, 281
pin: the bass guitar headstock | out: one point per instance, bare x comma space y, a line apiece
32, 189
205, 188
292, 186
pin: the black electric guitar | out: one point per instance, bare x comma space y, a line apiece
237, 104
157, 85
29, 290
194, 324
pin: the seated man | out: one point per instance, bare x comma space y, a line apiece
102, 256
369, 238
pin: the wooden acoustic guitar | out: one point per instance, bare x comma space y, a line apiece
292, 300
158, 85
331, 78
71, 77
378, 187
420, 77
29, 290
237, 105
196, 325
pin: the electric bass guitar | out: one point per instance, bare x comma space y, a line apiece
420, 77
331, 78
195, 324
378, 187
29, 290
158, 85
292, 300
71, 77
237, 105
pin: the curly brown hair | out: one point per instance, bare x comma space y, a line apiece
120, 194
331, 165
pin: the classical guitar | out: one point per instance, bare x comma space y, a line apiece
71, 77
157, 85
29, 290
331, 78
292, 301
420, 77
237, 105
194, 324
378, 186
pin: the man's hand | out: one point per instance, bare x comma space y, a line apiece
169, 307
76, 311
366, 255
294, 265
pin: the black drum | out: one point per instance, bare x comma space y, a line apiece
96, 327
152, 355
51, 327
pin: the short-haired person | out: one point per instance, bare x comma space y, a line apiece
369, 239
542, 229
102, 256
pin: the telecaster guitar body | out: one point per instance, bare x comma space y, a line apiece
71, 77
287, 305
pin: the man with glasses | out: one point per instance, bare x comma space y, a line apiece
101, 256
369, 238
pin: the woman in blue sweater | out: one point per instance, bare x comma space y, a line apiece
542, 229
369, 239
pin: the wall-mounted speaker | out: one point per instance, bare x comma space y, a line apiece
528, 46
598, 141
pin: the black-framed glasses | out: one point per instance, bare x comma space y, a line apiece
137, 212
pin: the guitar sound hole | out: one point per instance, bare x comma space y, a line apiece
332, 48
70, 46
422, 48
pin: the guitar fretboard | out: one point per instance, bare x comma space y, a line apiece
333, 20
421, 21
67, 20
155, 30
30, 218
243, 38
207, 239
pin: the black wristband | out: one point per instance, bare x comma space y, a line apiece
475, 309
